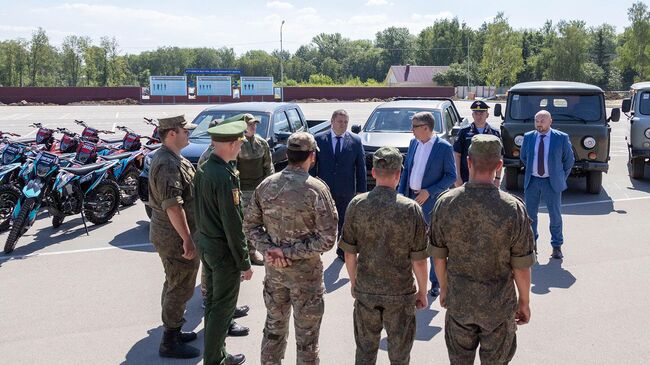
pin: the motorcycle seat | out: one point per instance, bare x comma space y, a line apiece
83, 170
117, 156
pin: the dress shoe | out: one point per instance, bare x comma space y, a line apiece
241, 311
557, 253
187, 336
256, 258
171, 346
237, 330
235, 359
435, 291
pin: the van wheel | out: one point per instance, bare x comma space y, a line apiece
512, 178
638, 168
594, 182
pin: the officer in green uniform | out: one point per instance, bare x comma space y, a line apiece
384, 240
171, 197
479, 268
222, 245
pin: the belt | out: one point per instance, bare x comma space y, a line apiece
537, 177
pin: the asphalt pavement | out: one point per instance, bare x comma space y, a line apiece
71, 298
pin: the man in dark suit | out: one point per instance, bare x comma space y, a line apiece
548, 158
429, 170
341, 164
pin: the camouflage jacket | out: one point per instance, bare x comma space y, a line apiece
388, 232
483, 233
254, 162
171, 182
294, 211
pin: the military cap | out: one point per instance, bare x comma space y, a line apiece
228, 132
248, 117
485, 145
302, 141
479, 106
174, 122
387, 158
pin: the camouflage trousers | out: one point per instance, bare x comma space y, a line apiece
498, 346
245, 198
180, 279
371, 314
299, 286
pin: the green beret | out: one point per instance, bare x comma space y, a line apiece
228, 132
174, 122
485, 145
387, 158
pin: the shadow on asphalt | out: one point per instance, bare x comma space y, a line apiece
331, 277
424, 331
145, 351
550, 275
134, 236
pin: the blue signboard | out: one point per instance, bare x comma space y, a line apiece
256, 85
213, 86
168, 85
213, 71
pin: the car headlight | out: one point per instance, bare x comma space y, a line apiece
519, 140
42, 170
647, 133
589, 142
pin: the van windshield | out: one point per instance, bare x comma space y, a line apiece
568, 108
396, 120
203, 121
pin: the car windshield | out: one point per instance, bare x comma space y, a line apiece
203, 121
391, 120
644, 103
585, 108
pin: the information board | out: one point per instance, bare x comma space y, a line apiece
213, 86
168, 85
256, 85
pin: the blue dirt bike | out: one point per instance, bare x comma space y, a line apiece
85, 190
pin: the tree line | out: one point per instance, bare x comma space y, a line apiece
495, 54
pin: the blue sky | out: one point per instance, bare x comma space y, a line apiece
243, 25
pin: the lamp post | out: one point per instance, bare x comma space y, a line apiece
281, 64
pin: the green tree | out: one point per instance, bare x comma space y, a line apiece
259, 63
602, 50
444, 43
397, 46
501, 53
14, 59
634, 52
72, 52
457, 75
42, 59
569, 52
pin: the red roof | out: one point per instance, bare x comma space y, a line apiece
420, 74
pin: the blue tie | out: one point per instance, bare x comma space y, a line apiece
337, 148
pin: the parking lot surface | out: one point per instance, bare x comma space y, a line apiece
71, 298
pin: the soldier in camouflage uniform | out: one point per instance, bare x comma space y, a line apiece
221, 241
254, 163
479, 268
292, 219
387, 232
171, 197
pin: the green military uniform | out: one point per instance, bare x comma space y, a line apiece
481, 299
295, 212
171, 183
388, 232
221, 241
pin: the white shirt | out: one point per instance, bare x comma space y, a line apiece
547, 144
420, 163
334, 140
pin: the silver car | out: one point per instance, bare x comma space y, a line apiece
390, 125
637, 110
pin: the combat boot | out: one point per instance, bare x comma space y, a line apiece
171, 346
186, 336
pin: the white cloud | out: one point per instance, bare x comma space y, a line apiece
432, 17
307, 11
376, 2
278, 5
368, 19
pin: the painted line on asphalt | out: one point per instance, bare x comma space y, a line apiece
37, 254
600, 202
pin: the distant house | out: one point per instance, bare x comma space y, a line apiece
413, 75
